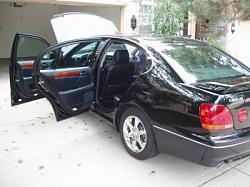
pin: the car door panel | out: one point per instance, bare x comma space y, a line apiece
25, 50
74, 86
67, 79
70, 90
25, 81
78, 97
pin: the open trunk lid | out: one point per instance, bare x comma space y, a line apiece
74, 25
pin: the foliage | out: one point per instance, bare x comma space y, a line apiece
215, 9
168, 18
170, 14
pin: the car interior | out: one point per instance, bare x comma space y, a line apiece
122, 64
66, 72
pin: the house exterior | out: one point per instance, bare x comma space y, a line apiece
236, 36
237, 43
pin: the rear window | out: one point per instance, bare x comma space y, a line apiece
198, 63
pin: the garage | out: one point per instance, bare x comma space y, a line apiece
33, 17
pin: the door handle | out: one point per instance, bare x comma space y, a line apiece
147, 93
83, 73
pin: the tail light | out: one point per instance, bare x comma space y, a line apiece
215, 117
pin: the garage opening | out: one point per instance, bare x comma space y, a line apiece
35, 18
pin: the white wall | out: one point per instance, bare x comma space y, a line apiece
35, 19
32, 18
127, 12
237, 44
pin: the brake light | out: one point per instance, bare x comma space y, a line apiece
242, 115
215, 117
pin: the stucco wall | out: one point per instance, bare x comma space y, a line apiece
237, 44
28, 19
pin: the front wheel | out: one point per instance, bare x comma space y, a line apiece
137, 134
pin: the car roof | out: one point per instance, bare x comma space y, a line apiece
143, 41
154, 39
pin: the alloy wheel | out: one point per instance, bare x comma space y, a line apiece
135, 134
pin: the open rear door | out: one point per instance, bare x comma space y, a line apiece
25, 50
63, 74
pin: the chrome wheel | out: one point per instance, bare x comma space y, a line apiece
135, 134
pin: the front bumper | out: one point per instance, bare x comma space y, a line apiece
198, 151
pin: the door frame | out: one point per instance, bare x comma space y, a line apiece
102, 109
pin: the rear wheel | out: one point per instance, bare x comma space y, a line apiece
137, 134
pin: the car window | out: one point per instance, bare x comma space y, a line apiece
29, 48
196, 63
166, 71
70, 56
136, 55
85, 50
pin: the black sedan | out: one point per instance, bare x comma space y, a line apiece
173, 95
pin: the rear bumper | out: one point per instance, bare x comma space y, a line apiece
198, 151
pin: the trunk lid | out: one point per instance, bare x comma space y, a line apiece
74, 25
226, 85
237, 102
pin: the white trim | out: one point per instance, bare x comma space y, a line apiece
213, 147
92, 3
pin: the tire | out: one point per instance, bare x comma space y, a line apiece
143, 134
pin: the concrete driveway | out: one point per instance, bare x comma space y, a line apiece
36, 151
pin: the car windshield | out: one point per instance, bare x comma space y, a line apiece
199, 63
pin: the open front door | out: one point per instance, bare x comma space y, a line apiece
64, 76
25, 50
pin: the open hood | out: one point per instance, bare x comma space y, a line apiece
74, 25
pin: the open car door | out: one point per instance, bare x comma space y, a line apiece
63, 74
25, 50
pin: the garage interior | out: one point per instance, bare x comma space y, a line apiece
34, 18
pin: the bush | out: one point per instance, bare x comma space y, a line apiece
168, 18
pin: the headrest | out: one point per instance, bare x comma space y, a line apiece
121, 56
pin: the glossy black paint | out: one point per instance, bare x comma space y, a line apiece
174, 114
173, 108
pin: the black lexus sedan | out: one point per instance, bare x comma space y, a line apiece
172, 95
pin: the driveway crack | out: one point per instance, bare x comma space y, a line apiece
231, 168
243, 172
209, 180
